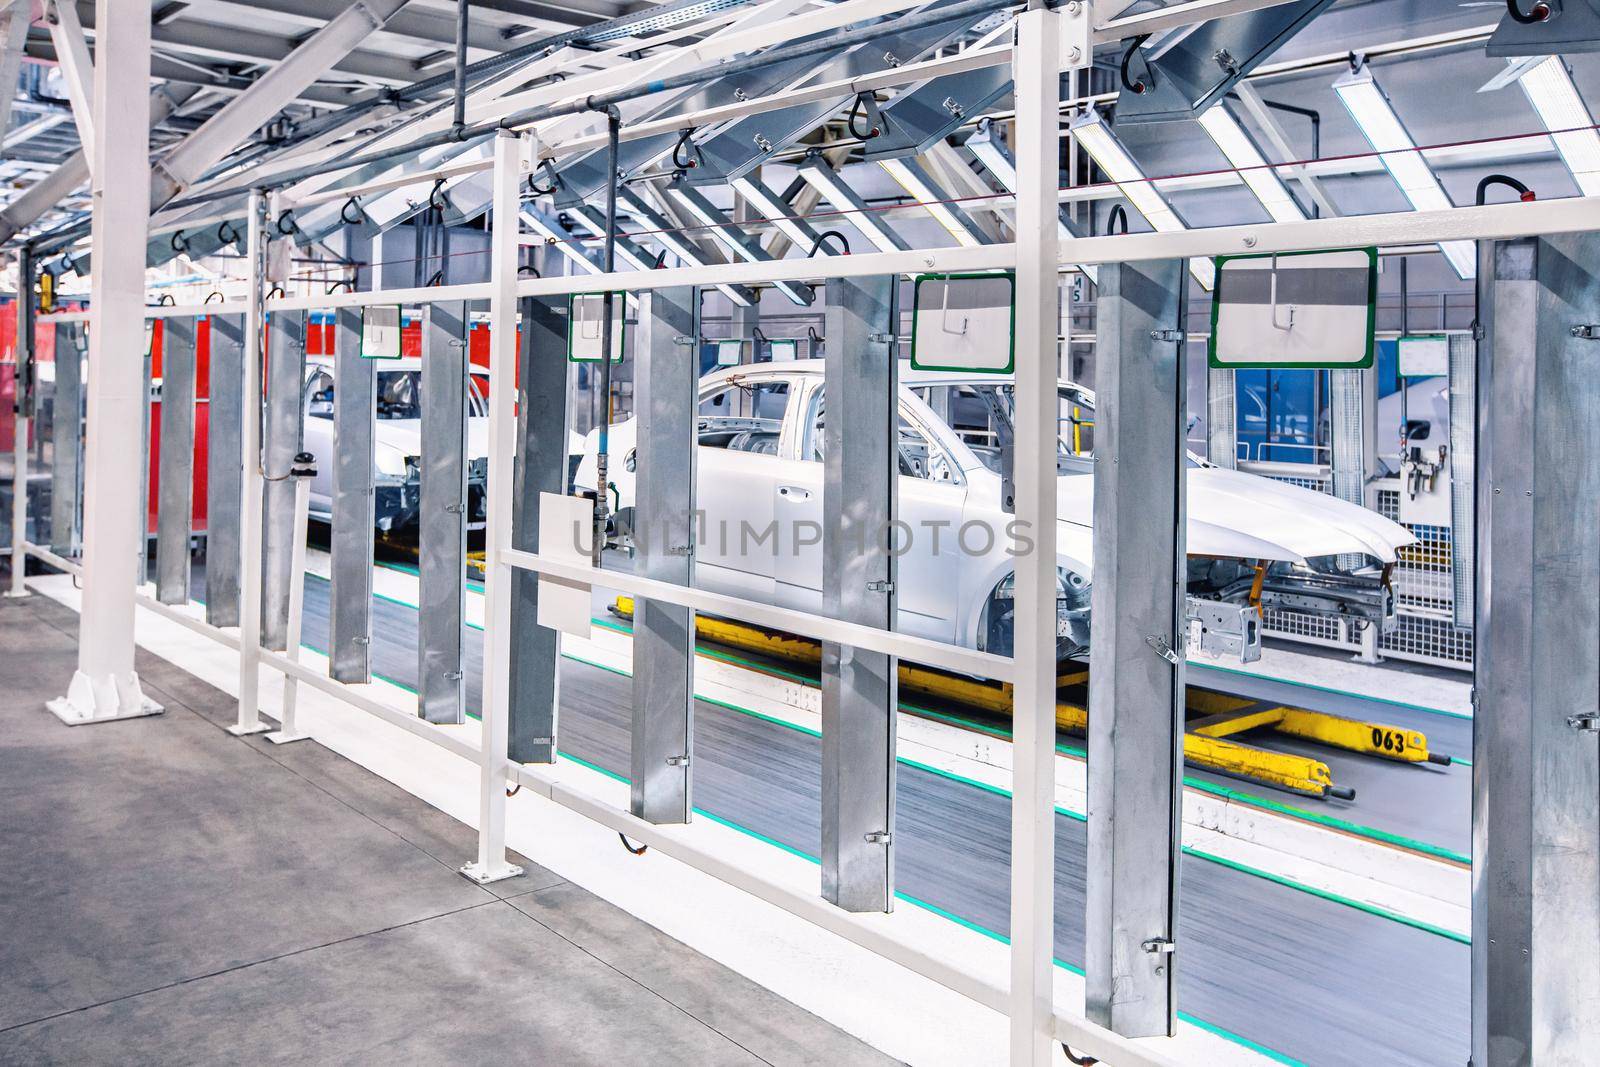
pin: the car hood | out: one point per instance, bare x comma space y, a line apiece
1245, 516
405, 436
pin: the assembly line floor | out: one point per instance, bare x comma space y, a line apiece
1307, 978
171, 894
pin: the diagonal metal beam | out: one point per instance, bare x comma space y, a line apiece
185, 164
13, 36
73, 53
73, 172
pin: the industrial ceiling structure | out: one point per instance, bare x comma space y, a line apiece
1278, 112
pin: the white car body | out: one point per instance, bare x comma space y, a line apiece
397, 440
1232, 515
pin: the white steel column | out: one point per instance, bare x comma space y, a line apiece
105, 685
250, 455
1036, 69
491, 865
22, 406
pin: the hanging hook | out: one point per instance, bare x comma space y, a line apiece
1273, 298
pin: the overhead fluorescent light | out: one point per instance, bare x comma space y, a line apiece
998, 162
1252, 166
1550, 90
779, 214
827, 182
1113, 157
1387, 134
920, 186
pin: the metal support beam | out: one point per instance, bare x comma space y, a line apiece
350, 549
860, 483
22, 407
1463, 375
66, 439
282, 437
175, 479
1349, 436
1536, 765
72, 52
495, 749
105, 686
252, 500
241, 116
666, 369
541, 467
1136, 687
13, 36
442, 514
1036, 70
225, 412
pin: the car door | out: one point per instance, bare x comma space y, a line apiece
931, 496
739, 428
318, 437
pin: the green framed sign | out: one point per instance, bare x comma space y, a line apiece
965, 322
380, 331
1287, 310
585, 326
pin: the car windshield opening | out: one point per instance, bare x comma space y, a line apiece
982, 415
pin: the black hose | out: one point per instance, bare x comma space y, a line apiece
816, 245
1085, 1060
1122, 68
179, 242
641, 850
344, 212
434, 200
286, 224
214, 293
226, 233
1522, 191
1118, 214
679, 159
865, 133
1541, 11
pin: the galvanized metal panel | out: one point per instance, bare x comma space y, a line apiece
1463, 474
442, 515
860, 482
541, 467
1536, 769
281, 441
224, 467
666, 370
1136, 695
175, 480
224, 470
66, 439
350, 548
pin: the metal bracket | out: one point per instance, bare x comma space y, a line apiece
678, 550
1587, 331
878, 837
677, 761
1164, 649
762, 143
1170, 336
685, 341
1159, 946
880, 587
1590, 722
882, 338
455, 509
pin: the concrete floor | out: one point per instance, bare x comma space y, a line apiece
170, 894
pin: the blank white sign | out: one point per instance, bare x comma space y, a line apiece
1424, 357
380, 332
1302, 309
566, 535
585, 327
964, 322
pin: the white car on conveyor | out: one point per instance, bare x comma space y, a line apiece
1252, 542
